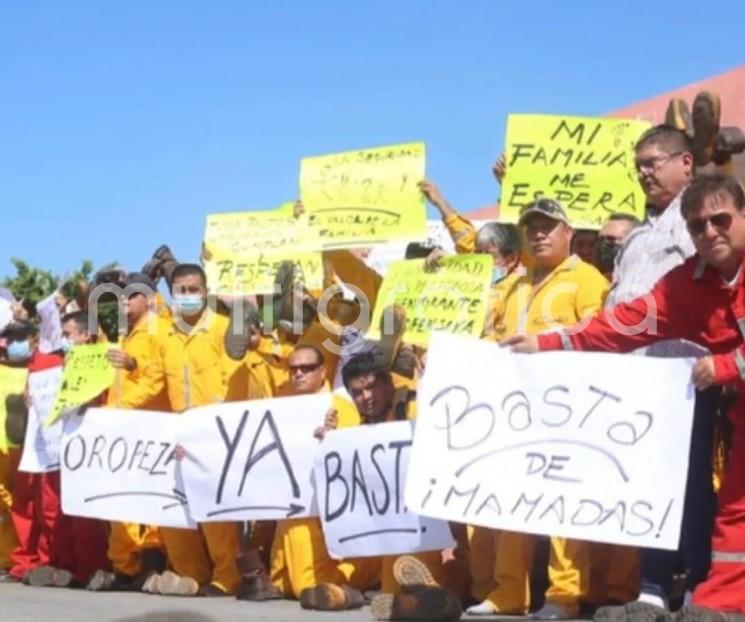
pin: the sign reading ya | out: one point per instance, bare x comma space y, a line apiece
120, 465
586, 163
580, 445
452, 299
360, 476
365, 197
252, 460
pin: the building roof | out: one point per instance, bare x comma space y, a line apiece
730, 86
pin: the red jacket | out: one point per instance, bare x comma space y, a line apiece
690, 302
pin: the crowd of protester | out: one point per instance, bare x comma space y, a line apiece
682, 263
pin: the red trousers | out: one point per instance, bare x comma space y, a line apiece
47, 537
724, 588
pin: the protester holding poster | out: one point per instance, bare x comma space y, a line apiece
702, 300
76, 545
13, 373
196, 370
135, 551
560, 289
500, 240
381, 396
301, 566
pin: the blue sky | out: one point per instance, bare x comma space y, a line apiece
123, 124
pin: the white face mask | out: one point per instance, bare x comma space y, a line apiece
19, 350
188, 304
66, 344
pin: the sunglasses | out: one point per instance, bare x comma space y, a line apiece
304, 368
721, 221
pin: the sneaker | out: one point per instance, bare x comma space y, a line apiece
6, 577
101, 581
707, 109
151, 585
171, 584
482, 609
331, 597
47, 576
425, 603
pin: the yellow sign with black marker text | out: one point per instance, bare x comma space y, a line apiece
87, 374
365, 197
585, 163
452, 299
243, 250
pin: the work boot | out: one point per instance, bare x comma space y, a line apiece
707, 109
679, 115
390, 336
161, 264
422, 603
730, 141
331, 597
243, 315
410, 571
258, 588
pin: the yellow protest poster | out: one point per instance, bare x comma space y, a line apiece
86, 375
452, 299
12, 381
243, 250
237, 275
586, 163
365, 197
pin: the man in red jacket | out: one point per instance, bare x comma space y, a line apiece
55, 550
702, 301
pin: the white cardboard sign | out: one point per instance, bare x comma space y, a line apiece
592, 446
252, 460
360, 476
120, 465
41, 444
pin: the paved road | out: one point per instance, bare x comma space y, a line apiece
26, 604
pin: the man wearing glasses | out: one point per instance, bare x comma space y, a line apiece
702, 300
665, 166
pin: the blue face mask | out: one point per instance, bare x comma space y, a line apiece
188, 304
65, 344
498, 273
19, 350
